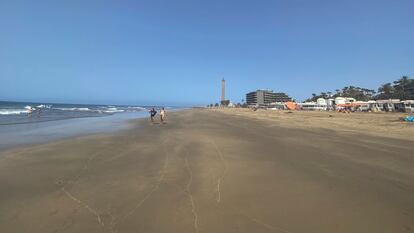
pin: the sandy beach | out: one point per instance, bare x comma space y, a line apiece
218, 171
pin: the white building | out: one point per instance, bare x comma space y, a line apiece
313, 106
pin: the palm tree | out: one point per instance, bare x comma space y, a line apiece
338, 92
386, 91
401, 85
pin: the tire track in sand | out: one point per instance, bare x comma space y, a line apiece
190, 195
224, 171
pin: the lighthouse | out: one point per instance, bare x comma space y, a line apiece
223, 101
223, 90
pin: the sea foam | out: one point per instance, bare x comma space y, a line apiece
73, 109
112, 110
13, 111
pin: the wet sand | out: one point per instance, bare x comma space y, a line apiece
211, 171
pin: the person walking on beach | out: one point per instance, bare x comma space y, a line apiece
152, 114
163, 114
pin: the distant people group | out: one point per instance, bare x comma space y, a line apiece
153, 113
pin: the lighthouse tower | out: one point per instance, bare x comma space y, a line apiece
223, 101
223, 90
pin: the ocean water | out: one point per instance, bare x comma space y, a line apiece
25, 113
29, 123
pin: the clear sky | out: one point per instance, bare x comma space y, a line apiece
176, 52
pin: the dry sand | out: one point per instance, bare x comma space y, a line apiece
381, 124
213, 171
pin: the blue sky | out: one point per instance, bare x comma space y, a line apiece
176, 52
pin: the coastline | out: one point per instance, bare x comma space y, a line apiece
211, 171
48, 131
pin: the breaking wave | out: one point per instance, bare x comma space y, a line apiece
43, 106
13, 111
73, 109
136, 108
112, 110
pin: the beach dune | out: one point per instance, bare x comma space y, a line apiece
210, 171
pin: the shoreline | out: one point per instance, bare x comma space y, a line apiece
16, 135
210, 171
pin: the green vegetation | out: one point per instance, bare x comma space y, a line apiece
402, 88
